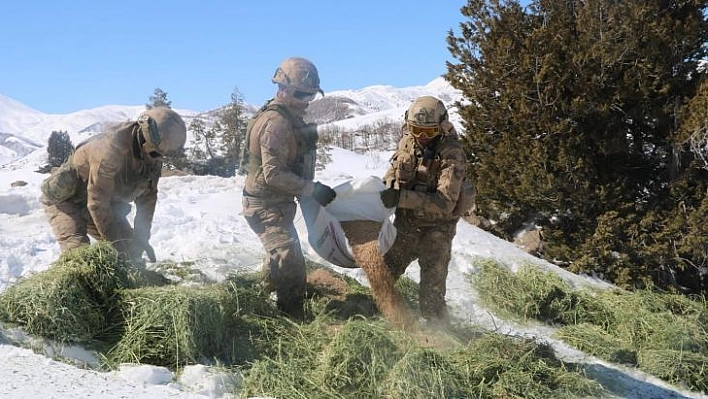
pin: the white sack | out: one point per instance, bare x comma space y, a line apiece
356, 200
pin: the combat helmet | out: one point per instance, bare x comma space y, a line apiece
163, 129
299, 76
424, 116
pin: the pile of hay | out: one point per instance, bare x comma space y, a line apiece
423, 373
366, 359
677, 367
173, 326
73, 300
532, 293
356, 353
634, 328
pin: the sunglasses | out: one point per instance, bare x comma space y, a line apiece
304, 96
427, 132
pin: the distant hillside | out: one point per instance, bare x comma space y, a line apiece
24, 131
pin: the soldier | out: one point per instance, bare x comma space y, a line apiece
280, 163
424, 183
90, 193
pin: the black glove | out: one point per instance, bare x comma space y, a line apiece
390, 197
138, 246
309, 131
323, 193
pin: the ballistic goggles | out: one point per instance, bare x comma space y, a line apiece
304, 96
426, 132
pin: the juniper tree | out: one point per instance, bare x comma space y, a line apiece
233, 130
59, 147
159, 99
571, 114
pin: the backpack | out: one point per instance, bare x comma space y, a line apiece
61, 184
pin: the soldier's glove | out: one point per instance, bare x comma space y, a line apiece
138, 246
390, 197
323, 193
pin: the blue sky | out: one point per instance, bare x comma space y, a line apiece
65, 56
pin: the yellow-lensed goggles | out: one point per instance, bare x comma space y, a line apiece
427, 132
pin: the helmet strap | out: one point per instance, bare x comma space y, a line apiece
138, 141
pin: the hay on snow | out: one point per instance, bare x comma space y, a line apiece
71, 301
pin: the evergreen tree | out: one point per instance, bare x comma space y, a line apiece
59, 147
201, 145
233, 134
159, 99
571, 114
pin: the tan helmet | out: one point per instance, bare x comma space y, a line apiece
163, 129
298, 74
426, 111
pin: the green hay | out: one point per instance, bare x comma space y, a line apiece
357, 357
288, 371
173, 326
648, 320
614, 325
508, 367
423, 373
535, 294
364, 359
596, 341
73, 299
677, 367
409, 291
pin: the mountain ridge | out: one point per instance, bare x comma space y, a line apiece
25, 130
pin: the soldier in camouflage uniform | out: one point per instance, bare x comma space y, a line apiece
90, 194
424, 182
280, 166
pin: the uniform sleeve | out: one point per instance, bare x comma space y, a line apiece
441, 202
145, 209
278, 147
100, 187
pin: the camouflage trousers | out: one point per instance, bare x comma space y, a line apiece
432, 247
284, 263
72, 224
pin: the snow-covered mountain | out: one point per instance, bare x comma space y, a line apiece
24, 131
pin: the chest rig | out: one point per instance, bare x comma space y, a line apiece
418, 171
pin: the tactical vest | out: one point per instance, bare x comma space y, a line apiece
306, 137
420, 173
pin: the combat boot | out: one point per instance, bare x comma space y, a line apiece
292, 307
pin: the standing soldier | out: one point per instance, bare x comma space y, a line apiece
90, 193
424, 183
279, 159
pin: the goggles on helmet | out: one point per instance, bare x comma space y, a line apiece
148, 126
304, 96
427, 132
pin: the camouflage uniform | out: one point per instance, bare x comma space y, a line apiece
429, 181
90, 193
281, 166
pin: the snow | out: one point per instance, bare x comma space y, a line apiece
199, 219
